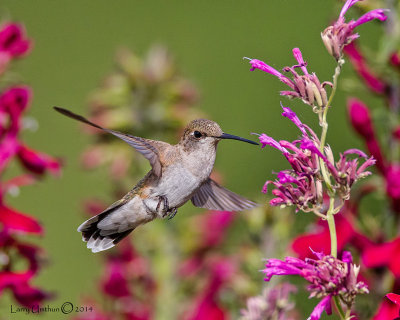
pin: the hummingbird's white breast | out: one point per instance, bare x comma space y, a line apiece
181, 179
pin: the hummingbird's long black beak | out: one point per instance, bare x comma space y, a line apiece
231, 136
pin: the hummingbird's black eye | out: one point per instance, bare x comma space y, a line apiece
197, 134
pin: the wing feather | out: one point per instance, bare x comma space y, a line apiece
148, 148
214, 197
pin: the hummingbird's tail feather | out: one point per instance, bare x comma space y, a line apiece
100, 237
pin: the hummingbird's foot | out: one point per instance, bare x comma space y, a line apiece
164, 211
172, 213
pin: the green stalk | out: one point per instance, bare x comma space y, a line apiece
339, 308
332, 228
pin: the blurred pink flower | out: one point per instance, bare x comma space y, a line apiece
13, 221
13, 40
385, 254
336, 36
371, 80
207, 304
274, 304
388, 310
361, 121
38, 162
395, 59
320, 241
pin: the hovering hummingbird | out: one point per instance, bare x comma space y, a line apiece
178, 173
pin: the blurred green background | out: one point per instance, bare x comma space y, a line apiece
74, 47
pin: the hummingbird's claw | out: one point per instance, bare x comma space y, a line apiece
172, 213
165, 210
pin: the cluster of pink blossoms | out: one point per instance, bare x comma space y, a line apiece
302, 185
313, 169
14, 101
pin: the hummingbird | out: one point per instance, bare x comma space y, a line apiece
178, 173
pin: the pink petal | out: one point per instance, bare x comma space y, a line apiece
394, 298
299, 57
371, 15
38, 162
346, 7
323, 305
16, 221
258, 64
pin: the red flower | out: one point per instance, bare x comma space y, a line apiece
13, 40
14, 101
384, 255
116, 282
361, 121
319, 241
38, 162
388, 310
13, 220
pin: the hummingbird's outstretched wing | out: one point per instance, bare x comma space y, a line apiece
148, 148
214, 197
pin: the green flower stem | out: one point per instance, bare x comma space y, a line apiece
348, 314
339, 308
332, 228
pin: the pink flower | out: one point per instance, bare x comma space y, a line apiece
361, 67
320, 241
15, 221
388, 310
272, 304
336, 36
302, 185
207, 304
116, 282
395, 59
361, 121
384, 255
13, 40
328, 277
307, 87
38, 162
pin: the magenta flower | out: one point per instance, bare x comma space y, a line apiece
328, 277
38, 162
13, 43
361, 121
336, 36
307, 87
13, 40
385, 254
389, 308
301, 186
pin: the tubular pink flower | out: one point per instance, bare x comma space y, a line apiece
258, 64
302, 185
328, 277
340, 34
288, 113
267, 140
323, 305
346, 7
378, 14
307, 87
299, 57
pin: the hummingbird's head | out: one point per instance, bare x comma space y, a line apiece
206, 132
